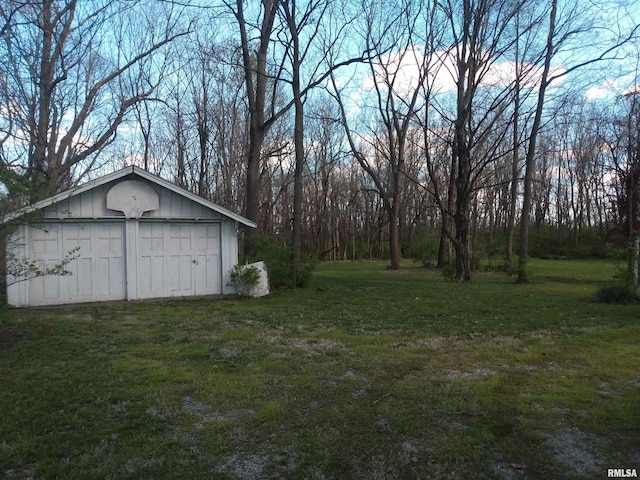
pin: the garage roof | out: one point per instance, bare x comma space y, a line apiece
120, 174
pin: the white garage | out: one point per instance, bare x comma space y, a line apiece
132, 235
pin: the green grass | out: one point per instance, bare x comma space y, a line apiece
366, 374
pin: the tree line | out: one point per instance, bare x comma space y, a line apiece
450, 131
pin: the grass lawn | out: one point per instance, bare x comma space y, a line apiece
367, 374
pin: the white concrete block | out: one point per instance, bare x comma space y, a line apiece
262, 288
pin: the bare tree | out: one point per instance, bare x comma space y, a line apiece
297, 20
531, 148
480, 37
73, 72
622, 138
391, 35
257, 76
561, 31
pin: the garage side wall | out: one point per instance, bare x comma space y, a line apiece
229, 234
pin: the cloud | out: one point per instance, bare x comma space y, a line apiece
606, 89
404, 70
610, 88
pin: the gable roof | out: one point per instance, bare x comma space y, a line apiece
116, 176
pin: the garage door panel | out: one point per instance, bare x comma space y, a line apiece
79, 283
45, 290
151, 273
179, 259
180, 278
84, 286
105, 269
96, 274
45, 252
208, 280
51, 284
179, 237
207, 238
101, 273
207, 251
110, 240
108, 278
45, 241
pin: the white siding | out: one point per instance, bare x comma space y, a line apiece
86, 205
174, 206
179, 259
97, 274
181, 248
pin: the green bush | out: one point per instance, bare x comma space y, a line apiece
278, 258
449, 271
614, 293
615, 252
306, 271
424, 245
245, 279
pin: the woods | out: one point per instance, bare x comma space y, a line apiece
448, 131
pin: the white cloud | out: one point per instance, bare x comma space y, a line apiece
634, 89
404, 69
610, 88
606, 89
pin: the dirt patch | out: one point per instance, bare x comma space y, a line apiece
475, 374
580, 452
306, 346
254, 466
441, 344
206, 414
508, 471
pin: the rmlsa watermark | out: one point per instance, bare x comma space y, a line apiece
622, 473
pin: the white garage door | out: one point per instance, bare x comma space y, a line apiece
179, 259
97, 274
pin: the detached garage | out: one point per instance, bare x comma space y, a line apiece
134, 236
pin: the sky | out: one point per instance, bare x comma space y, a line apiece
618, 75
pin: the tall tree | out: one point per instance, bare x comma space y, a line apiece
480, 38
258, 77
72, 72
391, 35
622, 139
298, 20
559, 35
525, 217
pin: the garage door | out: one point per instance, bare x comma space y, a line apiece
97, 274
179, 259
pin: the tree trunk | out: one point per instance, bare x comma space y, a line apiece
447, 228
255, 78
443, 247
394, 233
461, 216
461, 243
531, 151
256, 139
298, 136
513, 200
